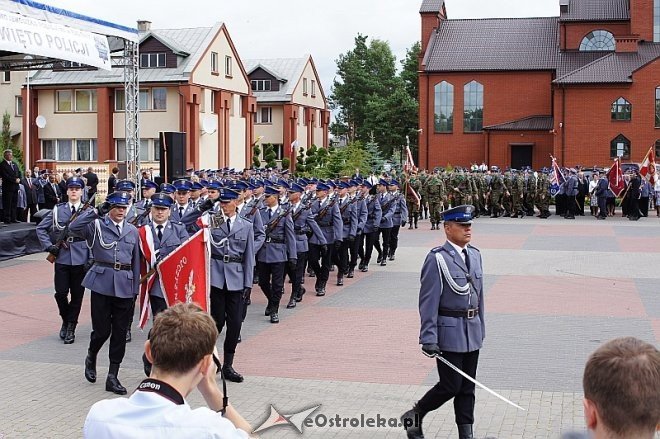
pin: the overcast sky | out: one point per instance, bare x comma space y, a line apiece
292, 28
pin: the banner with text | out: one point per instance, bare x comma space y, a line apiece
22, 34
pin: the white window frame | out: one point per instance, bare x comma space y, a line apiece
260, 84
212, 101
120, 93
259, 116
92, 100
18, 103
153, 60
313, 88
93, 149
214, 63
150, 145
57, 101
304, 86
153, 99
6, 76
228, 66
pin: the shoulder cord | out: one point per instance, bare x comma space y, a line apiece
443, 269
97, 232
56, 223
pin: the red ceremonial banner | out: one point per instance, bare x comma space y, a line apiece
615, 178
184, 275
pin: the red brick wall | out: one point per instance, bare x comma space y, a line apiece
507, 96
641, 19
575, 32
429, 22
499, 145
588, 125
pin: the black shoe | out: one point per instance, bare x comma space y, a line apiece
332, 268
300, 295
364, 269
90, 367
432, 226
412, 423
320, 291
383, 262
340, 281
228, 370
128, 336
312, 274
410, 226
292, 303
351, 274
70, 336
380, 258
465, 431
274, 317
112, 383
146, 365
63, 330
239, 339
391, 258
248, 301
268, 311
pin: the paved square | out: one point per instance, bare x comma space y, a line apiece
555, 290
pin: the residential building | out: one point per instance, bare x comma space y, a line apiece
291, 106
582, 86
191, 80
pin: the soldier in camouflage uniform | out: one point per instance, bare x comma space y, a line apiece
424, 203
506, 197
516, 190
543, 196
411, 201
531, 181
459, 189
435, 191
496, 193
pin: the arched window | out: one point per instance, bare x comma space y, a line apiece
620, 147
621, 109
444, 107
473, 109
598, 40
657, 107
657, 150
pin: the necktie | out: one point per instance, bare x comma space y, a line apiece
228, 225
73, 210
160, 232
467, 259
180, 212
119, 229
270, 213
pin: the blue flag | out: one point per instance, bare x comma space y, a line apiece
556, 178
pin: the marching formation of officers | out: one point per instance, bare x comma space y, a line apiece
261, 230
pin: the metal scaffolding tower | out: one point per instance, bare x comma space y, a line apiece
132, 115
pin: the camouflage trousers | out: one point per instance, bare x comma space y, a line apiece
435, 207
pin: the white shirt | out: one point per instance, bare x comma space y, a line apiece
120, 225
458, 249
146, 415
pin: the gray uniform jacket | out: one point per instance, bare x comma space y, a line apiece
175, 212
123, 249
349, 218
452, 334
280, 244
329, 220
374, 214
361, 214
388, 206
400, 210
75, 251
250, 211
572, 186
174, 234
304, 222
232, 255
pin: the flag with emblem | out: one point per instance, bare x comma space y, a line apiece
184, 275
647, 169
615, 178
556, 177
409, 166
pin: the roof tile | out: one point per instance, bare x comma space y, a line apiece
597, 10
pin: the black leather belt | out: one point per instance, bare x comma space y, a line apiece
301, 232
467, 313
116, 265
74, 239
227, 258
275, 239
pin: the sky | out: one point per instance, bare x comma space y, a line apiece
293, 28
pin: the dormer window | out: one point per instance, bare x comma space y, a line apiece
152, 60
260, 84
598, 40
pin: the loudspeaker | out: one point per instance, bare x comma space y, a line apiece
172, 155
38, 216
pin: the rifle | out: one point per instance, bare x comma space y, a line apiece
65, 231
138, 218
270, 226
324, 212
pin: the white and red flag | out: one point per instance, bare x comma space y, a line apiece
409, 166
647, 169
147, 271
184, 274
615, 178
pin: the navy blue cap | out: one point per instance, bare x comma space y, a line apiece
295, 187
167, 188
354, 183
204, 183
303, 181
161, 199
383, 182
343, 185
75, 182
124, 185
259, 183
196, 186
367, 184
148, 184
393, 182
227, 195
270, 190
119, 198
214, 185
240, 185
331, 184
322, 187
459, 214
282, 182
182, 185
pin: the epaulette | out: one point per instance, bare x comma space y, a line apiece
473, 247
436, 249
248, 219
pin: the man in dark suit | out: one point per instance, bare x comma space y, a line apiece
31, 197
11, 177
113, 180
52, 193
92, 182
451, 308
583, 190
62, 184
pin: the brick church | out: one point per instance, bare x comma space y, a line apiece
583, 86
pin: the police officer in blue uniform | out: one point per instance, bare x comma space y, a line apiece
361, 210
182, 196
327, 216
167, 236
304, 225
371, 226
278, 248
349, 218
113, 280
398, 219
232, 264
72, 256
451, 309
388, 205
131, 212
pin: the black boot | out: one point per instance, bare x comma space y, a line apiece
90, 367
351, 273
340, 280
320, 289
412, 422
300, 294
63, 330
70, 336
112, 383
274, 316
465, 431
292, 301
228, 370
432, 226
415, 218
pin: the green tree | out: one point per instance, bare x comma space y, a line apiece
374, 160
409, 69
270, 156
286, 163
256, 162
300, 161
310, 160
322, 156
6, 141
